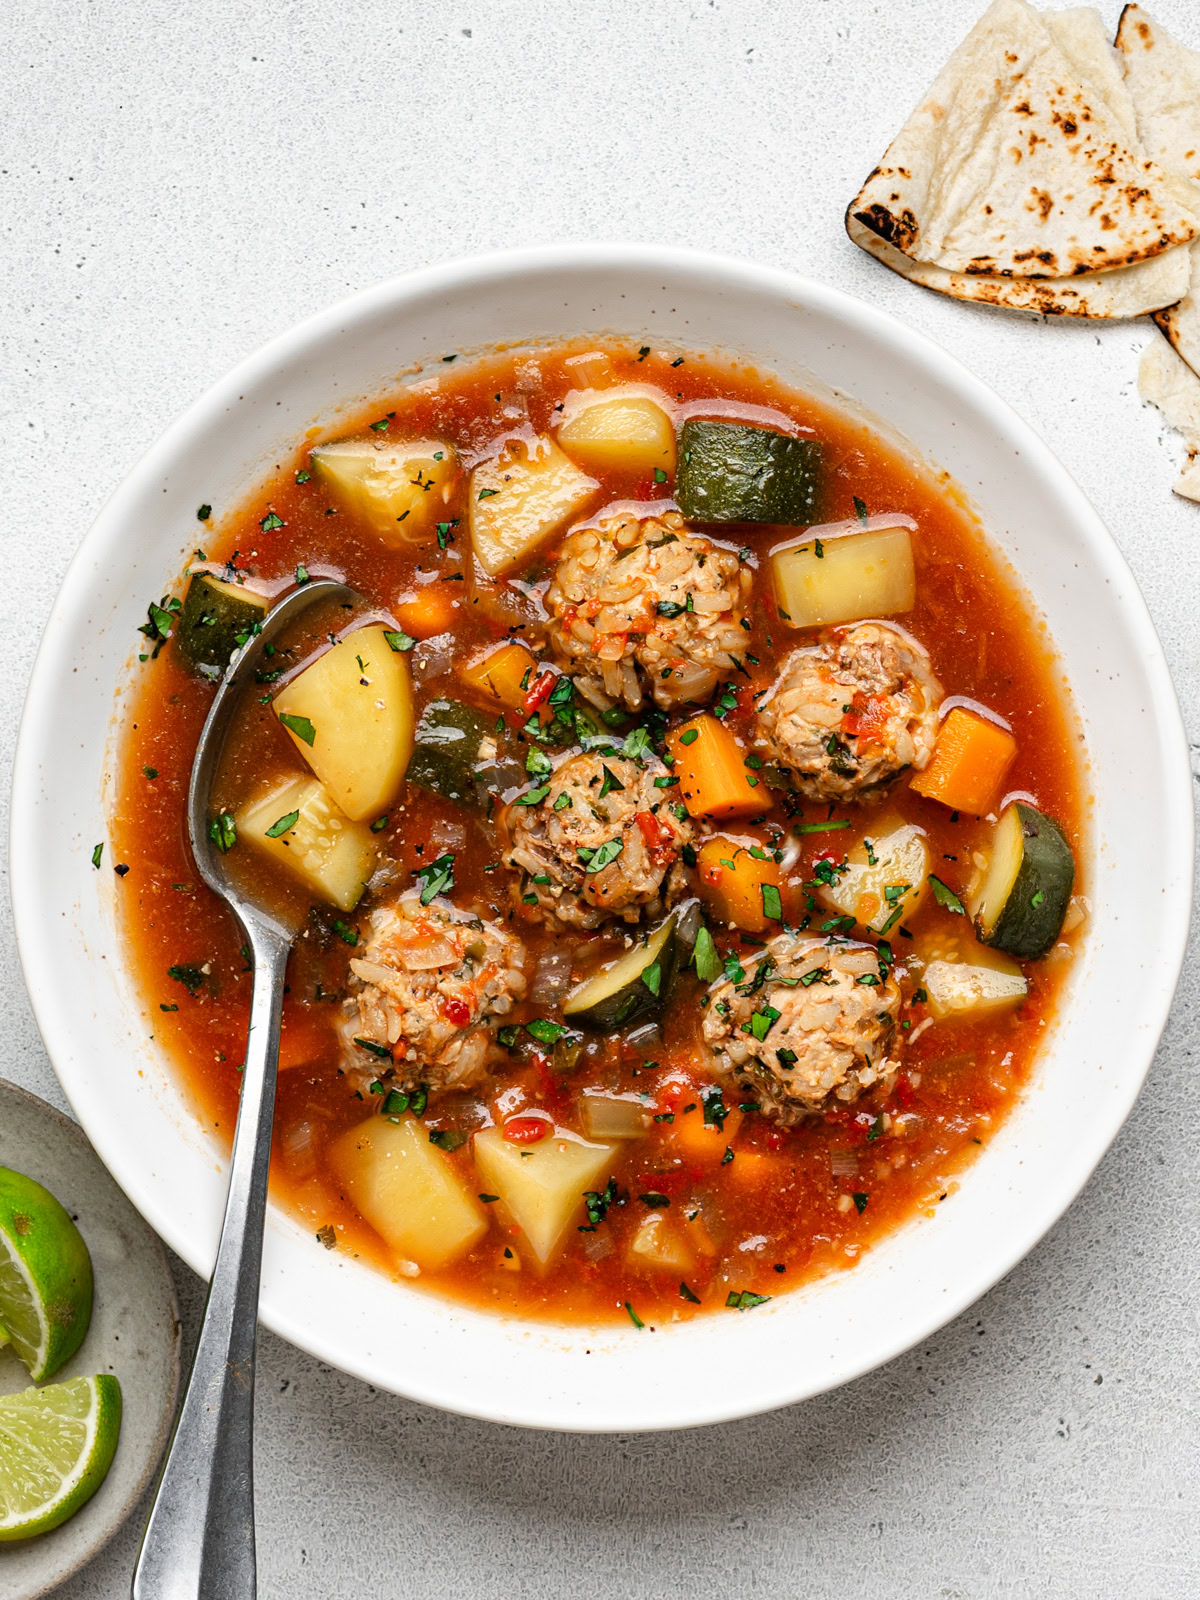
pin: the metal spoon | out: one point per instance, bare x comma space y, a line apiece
199, 1540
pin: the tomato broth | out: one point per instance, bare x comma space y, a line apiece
753, 1204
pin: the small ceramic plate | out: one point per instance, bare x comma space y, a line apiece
134, 1334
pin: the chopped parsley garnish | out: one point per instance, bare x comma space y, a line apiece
345, 932
533, 797
395, 1104
486, 494
860, 1202
762, 1021
689, 736
771, 903
436, 877
383, 1051
192, 978
222, 830
686, 1294
507, 1035
817, 975
398, 640
303, 475
652, 977
380, 823
489, 1199
300, 726
705, 958
381, 426
654, 1200
860, 510
597, 1203
670, 609
203, 513
823, 827
271, 521
786, 1058
545, 1031
151, 773
946, 897
284, 825
659, 475
745, 1299
715, 1109
610, 781
601, 858
97, 853
634, 1318
875, 1131
448, 1138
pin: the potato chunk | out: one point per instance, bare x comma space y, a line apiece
320, 845
886, 878
542, 1185
400, 490
350, 715
521, 498
845, 579
659, 1243
408, 1190
955, 989
624, 431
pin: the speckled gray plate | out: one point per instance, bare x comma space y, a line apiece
134, 1333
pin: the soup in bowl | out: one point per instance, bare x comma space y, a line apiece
698, 828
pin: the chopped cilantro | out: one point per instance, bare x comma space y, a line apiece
284, 825
705, 958
946, 897
300, 726
398, 640
436, 877
222, 830
745, 1299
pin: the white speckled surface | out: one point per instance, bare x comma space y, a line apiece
179, 182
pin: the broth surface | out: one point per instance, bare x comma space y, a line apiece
776, 1206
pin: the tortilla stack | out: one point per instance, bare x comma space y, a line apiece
1021, 181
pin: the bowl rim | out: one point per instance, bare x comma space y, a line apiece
36, 948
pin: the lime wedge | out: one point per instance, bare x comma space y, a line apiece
45, 1276
56, 1445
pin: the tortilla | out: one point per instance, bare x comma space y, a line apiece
1125, 292
1166, 381
1015, 166
1163, 77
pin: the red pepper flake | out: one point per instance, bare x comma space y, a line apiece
526, 1130
539, 690
456, 1012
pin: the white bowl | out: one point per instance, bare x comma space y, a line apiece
1139, 854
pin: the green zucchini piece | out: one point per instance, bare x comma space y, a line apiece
451, 742
1024, 897
628, 987
730, 472
217, 619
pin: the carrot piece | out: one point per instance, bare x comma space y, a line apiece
714, 780
694, 1140
304, 1037
433, 610
504, 675
732, 883
969, 762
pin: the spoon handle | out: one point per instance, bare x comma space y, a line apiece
199, 1540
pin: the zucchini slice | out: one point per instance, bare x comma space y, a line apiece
217, 619
634, 984
452, 741
1024, 897
730, 472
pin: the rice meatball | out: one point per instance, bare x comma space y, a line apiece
848, 714
602, 843
639, 603
430, 984
816, 1031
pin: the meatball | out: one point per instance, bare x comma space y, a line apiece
603, 842
810, 1025
643, 593
849, 713
429, 985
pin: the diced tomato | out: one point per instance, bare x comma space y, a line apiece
658, 839
456, 1012
527, 1130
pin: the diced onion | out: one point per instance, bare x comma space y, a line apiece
551, 981
613, 1116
